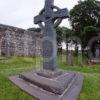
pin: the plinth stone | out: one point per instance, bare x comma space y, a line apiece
60, 86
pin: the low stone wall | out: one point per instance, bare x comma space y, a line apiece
19, 42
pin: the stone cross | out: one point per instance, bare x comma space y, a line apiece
51, 16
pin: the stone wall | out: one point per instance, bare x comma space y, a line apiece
19, 42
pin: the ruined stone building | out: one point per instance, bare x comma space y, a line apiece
19, 42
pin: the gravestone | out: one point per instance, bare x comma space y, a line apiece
96, 59
97, 53
50, 83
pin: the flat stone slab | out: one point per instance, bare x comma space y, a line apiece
63, 87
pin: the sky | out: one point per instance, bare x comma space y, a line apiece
20, 13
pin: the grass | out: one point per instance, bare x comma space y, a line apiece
10, 67
15, 65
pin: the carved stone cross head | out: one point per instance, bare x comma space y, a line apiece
50, 14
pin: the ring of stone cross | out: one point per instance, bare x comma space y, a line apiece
59, 20
56, 22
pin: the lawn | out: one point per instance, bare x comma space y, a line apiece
15, 65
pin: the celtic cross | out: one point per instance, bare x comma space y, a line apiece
51, 16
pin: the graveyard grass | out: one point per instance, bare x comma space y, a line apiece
15, 65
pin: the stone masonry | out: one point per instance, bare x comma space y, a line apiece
19, 42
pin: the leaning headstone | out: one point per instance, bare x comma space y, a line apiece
50, 83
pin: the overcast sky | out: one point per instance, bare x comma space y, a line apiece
20, 13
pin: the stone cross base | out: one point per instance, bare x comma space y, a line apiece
47, 85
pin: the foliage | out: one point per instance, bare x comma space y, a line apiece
63, 33
88, 33
85, 20
91, 29
12, 66
85, 13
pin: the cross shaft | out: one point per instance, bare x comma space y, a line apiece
49, 44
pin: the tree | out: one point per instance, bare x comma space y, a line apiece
85, 13
85, 20
88, 33
62, 34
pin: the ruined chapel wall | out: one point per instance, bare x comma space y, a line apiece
19, 42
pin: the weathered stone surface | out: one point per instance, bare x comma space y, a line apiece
49, 73
19, 42
49, 43
55, 85
63, 87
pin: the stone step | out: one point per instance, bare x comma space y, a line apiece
71, 92
56, 85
